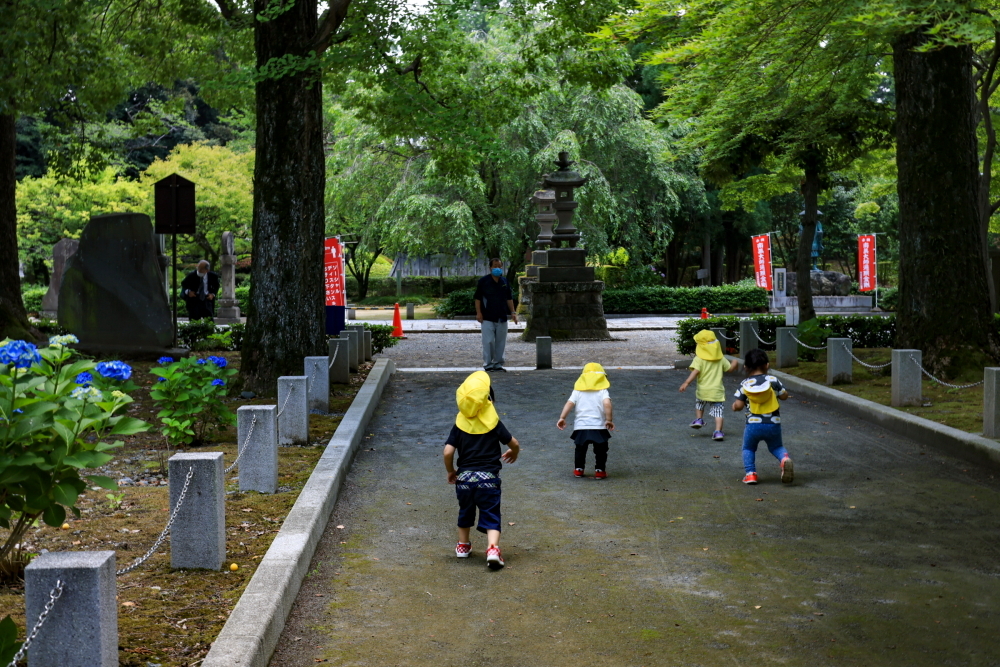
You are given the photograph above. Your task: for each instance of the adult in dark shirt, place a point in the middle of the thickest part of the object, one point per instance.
(198, 290)
(494, 302)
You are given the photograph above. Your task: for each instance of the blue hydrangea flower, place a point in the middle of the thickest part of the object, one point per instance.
(219, 382)
(19, 353)
(163, 361)
(161, 379)
(201, 362)
(116, 370)
(84, 379)
(87, 393)
(68, 339)
(218, 361)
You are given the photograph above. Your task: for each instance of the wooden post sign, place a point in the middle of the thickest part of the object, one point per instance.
(175, 214)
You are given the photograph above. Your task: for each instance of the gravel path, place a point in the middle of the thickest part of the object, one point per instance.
(629, 348)
(881, 553)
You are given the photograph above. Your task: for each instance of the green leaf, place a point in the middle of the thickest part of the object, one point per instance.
(9, 645)
(64, 494)
(103, 482)
(54, 515)
(129, 426)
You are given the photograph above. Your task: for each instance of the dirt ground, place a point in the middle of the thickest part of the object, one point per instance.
(883, 552)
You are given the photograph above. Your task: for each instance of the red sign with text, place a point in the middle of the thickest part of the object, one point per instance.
(762, 260)
(866, 263)
(333, 273)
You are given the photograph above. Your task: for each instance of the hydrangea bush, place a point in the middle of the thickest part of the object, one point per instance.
(56, 411)
(189, 395)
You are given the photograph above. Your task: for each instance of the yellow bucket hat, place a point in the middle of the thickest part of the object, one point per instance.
(476, 413)
(708, 345)
(762, 398)
(593, 378)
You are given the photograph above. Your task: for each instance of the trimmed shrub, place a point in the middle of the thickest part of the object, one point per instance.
(32, 296)
(458, 302)
(381, 336)
(416, 299)
(243, 296)
(429, 286)
(740, 297)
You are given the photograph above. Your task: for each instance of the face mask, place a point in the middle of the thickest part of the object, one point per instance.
(497, 272)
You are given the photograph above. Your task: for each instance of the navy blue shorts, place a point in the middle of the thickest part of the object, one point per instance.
(475, 492)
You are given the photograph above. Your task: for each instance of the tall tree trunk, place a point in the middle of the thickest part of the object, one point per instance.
(286, 320)
(803, 263)
(13, 318)
(944, 303)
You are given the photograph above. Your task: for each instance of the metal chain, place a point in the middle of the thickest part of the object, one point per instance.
(766, 342)
(942, 382)
(239, 452)
(159, 540)
(804, 345)
(291, 388)
(54, 595)
(865, 363)
(725, 337)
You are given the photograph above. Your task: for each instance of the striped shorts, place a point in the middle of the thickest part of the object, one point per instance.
(713, 409)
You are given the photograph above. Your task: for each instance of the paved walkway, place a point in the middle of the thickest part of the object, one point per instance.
(882, 553)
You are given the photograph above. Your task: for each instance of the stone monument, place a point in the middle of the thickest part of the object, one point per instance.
(545, 217)
(228, 308)
(61, 253)
(112, 290)
(565, 301)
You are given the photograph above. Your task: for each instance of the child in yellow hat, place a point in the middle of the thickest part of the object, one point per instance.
(760, 393)
(708, 366)
(476, 437)
(594, 419)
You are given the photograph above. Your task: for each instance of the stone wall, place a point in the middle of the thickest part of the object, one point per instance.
(565, 310)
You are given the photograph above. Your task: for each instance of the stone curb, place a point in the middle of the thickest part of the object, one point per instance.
(954, 441)
(250, 635)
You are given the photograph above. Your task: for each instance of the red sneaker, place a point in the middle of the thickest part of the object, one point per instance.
(787, 470)
(493, 558)
(751, 478)
(578, 472)
(462, 549)
(600, 474)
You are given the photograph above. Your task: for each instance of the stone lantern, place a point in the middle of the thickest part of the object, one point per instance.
(563, 182)
(546, 218)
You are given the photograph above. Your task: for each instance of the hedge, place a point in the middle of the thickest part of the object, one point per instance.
(662, 300)
(429, 286)
(458, 302)
(32, 297)
(867, 331)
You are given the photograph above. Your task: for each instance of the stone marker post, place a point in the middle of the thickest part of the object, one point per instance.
(839, 365)
(991, 402)
(786, 353)
(258, 446)
(354, 353)
(228, 311)
(748, 338)
(82, 628)
(293, 410)
(409, 311)
(543, 352)
(352, 314)
(340, 370)
(365, 336)
(907, 388)
(368, 344)
(791, 316)
(318, 370)
(61, 252)
(720, 335)
(198, 536)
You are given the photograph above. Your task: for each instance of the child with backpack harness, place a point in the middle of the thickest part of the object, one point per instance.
(760, 393)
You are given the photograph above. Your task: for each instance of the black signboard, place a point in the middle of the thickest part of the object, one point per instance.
(174, 197)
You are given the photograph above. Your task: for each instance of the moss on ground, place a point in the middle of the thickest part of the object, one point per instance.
(958, 408)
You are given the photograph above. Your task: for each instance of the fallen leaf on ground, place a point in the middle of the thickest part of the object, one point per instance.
(756, 606)
(340, 527)
(510, 523)
(759, 500)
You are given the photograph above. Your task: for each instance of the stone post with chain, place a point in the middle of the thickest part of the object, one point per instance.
(258, 447)
(198, 534)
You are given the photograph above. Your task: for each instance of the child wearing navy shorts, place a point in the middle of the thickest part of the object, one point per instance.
(476, 438)
(759, 395)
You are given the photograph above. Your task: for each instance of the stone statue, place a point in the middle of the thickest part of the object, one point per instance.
(229, 307)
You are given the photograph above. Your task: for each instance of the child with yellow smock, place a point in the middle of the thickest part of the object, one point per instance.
(594, 419)
(708, 366)
(760, 393)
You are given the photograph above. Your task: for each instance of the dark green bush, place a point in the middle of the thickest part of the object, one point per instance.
(416, 299)
(458, 302)
(32, 296)
(661, 300)
(429, 286)
(190, 334)
(867, 331)
(243, 296)
(381, 336)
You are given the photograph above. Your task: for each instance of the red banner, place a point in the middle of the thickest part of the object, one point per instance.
(866, 263)
(333, 273)
(762, 260)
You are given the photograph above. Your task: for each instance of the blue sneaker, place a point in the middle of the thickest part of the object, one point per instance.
(718, 435)
(697, 423)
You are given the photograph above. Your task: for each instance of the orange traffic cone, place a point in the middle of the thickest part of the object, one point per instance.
(704, 313)
(397, 324)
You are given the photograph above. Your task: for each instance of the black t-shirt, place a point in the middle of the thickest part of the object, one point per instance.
(494, 295)
(479, 451)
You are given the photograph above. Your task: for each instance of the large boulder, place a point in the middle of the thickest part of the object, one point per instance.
(824, 283)
(112, 294)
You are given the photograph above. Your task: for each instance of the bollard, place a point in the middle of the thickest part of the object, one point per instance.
(791, 316)
(748, 340)
(198, 536)
(409, 311)
(340, 370)
(786, 352)
(543, 352)
(293, 411)
(82, 628)
(258, 452)
(352, 314)
(318, 386)
(365, 341)
(720, 335)
(839, 365)
(991, 402)
(368, 344)
(907, 387)
(354, 353)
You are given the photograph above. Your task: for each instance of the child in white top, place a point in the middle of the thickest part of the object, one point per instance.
(594, 419)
